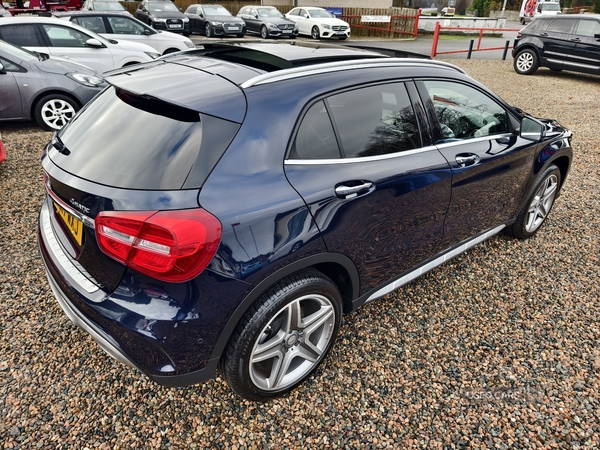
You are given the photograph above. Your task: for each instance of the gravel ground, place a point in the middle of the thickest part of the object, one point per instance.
(498, 348)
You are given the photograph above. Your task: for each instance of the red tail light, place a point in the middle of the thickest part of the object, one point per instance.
(172, 246)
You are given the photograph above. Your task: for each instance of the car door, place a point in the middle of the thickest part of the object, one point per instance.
(27, 35)
(303, 21)
(200, 19)
(10, 94)
(587, 50)
(252, 20)
(376, 193)
(490, 164)
(69, 43)
(559, 43)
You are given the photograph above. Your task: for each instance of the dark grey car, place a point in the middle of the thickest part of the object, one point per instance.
(569, 42)
(214, 20)
(163, 15)
(48, 90)
(267, 21)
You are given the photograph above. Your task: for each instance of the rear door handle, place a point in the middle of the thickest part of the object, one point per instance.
(466, 159)
(351, 189)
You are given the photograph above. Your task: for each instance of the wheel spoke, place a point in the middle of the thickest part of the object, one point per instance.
(280, 370)
(308, 351)
(316, 319)
(269, 349)
(294, 316)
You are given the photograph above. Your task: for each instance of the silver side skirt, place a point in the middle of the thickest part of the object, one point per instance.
(433, 264)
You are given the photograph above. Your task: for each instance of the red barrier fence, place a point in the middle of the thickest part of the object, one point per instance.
(436, 37)
(393, 26)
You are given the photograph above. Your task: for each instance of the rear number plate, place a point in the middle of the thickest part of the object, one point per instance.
(73, 224)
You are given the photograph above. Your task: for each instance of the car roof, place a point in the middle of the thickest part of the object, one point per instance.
(92, 12)
(226, 69)
(569, 16)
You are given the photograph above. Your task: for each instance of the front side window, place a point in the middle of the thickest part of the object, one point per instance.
(65, 36)
(124, 25)
(464, 112)
(588, 28)
(375, 120)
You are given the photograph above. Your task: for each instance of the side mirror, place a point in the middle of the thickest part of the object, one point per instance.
(532, 129)
(94, 43)
(144, 9)
(256, 16)
(306, 16)
(2, 71)
(180, 10)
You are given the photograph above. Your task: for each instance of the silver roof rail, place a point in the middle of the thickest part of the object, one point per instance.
(313, 69)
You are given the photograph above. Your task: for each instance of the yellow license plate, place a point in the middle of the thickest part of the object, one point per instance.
(74, 225)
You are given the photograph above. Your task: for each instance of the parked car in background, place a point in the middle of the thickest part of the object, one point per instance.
(176, 249)
(163, 15)
(267, 21)
(122, 27)
(64, 39)
(4, 12)
(561, 42)
(47, 90)
(214, 20)
(104, 5)
(318, 23)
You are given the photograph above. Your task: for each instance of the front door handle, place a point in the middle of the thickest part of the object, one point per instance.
(351, 189)
(466, 159)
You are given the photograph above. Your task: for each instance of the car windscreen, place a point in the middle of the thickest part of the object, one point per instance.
(216, 11)
(139, 142)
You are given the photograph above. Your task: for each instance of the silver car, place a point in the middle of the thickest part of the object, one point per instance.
(47, 90)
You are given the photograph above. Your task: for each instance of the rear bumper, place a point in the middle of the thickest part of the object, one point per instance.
(115, 330)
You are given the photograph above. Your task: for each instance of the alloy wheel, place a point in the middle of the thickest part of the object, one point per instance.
(541, 204)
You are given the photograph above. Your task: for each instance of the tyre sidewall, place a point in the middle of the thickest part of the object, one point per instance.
(534, 66)
(518, 228)
(236, 366)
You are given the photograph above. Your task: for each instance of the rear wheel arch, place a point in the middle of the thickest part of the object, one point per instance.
(337, 267)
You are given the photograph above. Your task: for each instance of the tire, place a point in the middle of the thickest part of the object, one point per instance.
(53, 111)
(268, 355)
(241, 35)
(526, 62)
(314, 33)
(169, 51)
(208, 30)
(264, 33)
(187, 34)
(538, 205)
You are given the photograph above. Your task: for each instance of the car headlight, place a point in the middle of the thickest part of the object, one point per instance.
(186, 19)
(152, 55)
(272, 25)
(158, 19)
(216, 24)
(327, 27)
(86, 80)
(190, 44)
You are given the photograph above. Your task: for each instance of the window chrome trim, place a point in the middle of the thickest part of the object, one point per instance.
(308, 162)
(369, 63)
(478, 139)
(433, 264)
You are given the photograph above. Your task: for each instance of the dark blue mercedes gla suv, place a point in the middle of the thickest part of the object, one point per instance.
(222, 208)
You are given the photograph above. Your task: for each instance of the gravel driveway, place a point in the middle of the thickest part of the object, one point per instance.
(498, 348)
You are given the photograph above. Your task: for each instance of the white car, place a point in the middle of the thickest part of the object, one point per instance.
(123, 27)
(318, 23)
(63, 39)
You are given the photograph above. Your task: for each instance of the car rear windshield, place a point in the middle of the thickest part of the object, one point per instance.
(138, 142)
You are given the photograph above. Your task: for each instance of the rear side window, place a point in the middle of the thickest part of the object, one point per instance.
(375, 120)
(562, 26)
(95, 24)
(128, 141)
(24, 35)
(370, 121)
